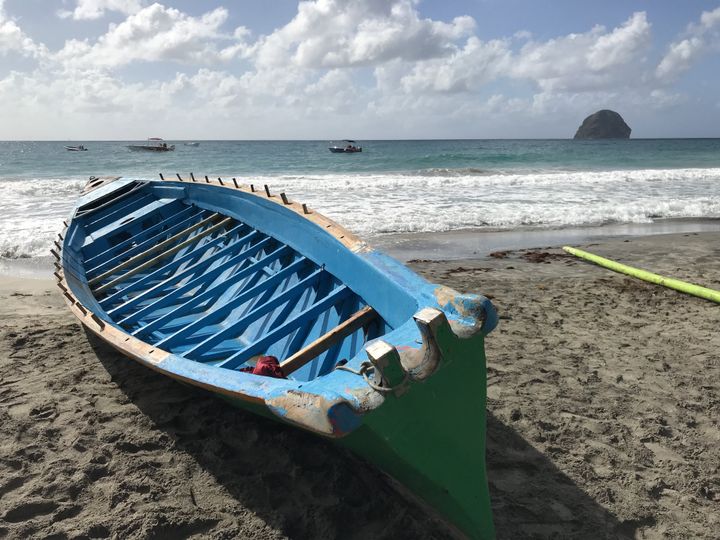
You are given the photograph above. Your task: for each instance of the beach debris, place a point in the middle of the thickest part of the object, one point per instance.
(542, 256)
(500, 254)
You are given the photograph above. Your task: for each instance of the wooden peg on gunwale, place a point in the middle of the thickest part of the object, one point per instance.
(252, 188)
(235, 182)
(284, 198)
(192, 176)
(220, 180)
(55, 254)
(98, 321)
(207, 179)
(161, 176)
(179, 177)
(305, 209)
(267, 190)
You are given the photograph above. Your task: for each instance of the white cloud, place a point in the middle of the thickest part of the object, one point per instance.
(466, 70)
(587, 61)
(337, 33)
(683, 53)
(13, 39)
(377, 63)
(155, 33)
(578, 62)
(94, 9)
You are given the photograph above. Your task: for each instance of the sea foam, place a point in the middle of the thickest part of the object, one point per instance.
(426, 201)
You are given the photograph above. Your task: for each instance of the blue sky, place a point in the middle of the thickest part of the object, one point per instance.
(326, 69)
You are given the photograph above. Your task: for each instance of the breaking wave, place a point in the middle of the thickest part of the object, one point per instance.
(429, 200)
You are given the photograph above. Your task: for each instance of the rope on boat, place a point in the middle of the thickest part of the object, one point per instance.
(367, 367)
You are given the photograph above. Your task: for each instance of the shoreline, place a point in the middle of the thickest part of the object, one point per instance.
(603, 396)
(460, 244)
(480, 243)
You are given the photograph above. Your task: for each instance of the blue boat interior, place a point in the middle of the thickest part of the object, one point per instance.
(168, 265)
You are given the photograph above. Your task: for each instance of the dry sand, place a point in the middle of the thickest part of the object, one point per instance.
(603, 419)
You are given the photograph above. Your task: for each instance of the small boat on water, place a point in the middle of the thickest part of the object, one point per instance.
(154, 144)
(347, 147)
(79, 148)
(283, 312)
(192, 144)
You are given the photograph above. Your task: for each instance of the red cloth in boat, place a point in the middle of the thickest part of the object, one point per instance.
(267, 366)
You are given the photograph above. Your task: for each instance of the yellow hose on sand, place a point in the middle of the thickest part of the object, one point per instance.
(682, 286)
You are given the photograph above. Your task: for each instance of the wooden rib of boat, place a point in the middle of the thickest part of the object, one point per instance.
(198, 279)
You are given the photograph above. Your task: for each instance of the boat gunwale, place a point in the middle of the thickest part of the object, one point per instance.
(349, 239)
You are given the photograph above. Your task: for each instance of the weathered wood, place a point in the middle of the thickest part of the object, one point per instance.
(166, 254)
(97, 320)
(327, 340)
(267, 190)
(284, 198)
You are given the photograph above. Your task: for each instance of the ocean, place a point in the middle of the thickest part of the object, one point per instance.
(426, 186)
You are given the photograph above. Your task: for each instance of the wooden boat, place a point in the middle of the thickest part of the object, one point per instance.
(154, 144)
(200, 279)
(79, 148)
(347, 147)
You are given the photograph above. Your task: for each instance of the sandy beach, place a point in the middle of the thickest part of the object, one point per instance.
(603, 419)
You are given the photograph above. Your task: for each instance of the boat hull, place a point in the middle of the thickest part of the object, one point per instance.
(145, 148)
(405, 391)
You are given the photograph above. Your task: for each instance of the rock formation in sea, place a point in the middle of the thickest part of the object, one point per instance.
(604, 124)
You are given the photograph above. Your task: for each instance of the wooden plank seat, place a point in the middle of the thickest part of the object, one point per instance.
(358, 320)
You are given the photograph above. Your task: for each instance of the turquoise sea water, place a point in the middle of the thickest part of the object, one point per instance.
(392, 186)
(264, 158)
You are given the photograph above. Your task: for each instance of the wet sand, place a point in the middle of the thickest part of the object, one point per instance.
(603, 419)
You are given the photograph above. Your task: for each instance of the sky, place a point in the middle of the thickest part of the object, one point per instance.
(362, 69)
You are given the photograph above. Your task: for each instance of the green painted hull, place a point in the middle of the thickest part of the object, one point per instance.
(432, 438)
